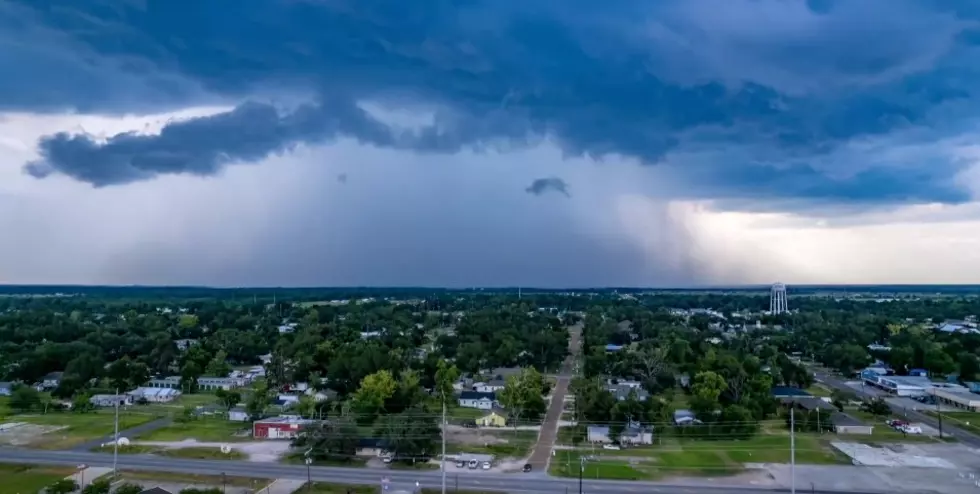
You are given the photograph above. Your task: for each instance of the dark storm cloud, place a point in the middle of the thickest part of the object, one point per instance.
(551, 184)
(629, 77)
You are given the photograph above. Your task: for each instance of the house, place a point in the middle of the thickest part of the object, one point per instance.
(282, 427)
(238, 414)
(287, 328)
(809, 403)
(6, 388)
(633, 434)
(172, 382)
(476, 399)
(155, 490)
(685, 417)
(463, 383)
(184, 344)
(111, 400)
(211, 383)
(52, 380)
(496, 418)
(154, 395)
(491, 386)
(845, 424)
(371, 447)
(622, 391)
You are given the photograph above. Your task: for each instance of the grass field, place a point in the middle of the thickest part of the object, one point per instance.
(882, 432)
(675, 457)
(519, 443)
(28, 479)
(138, 476)
(196, 453)
(964, 420)
(79, 427)
(202, 429)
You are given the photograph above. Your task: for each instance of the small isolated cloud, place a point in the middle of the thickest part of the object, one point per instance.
(342, 178)
(552, 184)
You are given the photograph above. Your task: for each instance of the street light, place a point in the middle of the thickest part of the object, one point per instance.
(308, 461)
(581, 471)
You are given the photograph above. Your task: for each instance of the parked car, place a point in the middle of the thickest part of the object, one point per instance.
(473, 464)
(527, 467)
(486, 465)
(460, 464)
(611, 446)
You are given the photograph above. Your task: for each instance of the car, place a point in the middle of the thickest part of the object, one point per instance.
(611, 446)
(527, 467)
(486, 465)
(460, 464)
(474, 464)
(386, 459)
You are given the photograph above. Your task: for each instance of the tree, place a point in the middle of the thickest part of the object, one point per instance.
(218, 366)
(877, 407)
(374, 391)
(63, 486)
(99, 486)
(446, 376)
(189, 374)
(129, 488)
(522, 395)
(410, 435)
(257, 402)
(25, 399)
(334, 440)
(228, 398)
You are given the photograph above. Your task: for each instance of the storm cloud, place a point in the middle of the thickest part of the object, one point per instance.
(550, 184)
(791, 87)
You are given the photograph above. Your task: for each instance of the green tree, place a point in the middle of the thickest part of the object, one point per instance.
(25, 399)
(99, 486)
(374, 391)
(218, 366)
(129, 488)
(446, 376)
(334, 440)
(877, 407)
(63, 486)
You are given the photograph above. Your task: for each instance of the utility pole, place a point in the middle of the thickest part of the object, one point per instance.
(581, 472)
(792, 449)
(115, 437)
(939, 415)
(442, 463)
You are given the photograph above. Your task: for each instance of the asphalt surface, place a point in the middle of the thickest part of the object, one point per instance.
(516, 483)
(541, 456)
(961, 435)
(128, 433)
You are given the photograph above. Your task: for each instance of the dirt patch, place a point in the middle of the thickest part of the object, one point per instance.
(257, 451)
(474, 437)
(23, 434)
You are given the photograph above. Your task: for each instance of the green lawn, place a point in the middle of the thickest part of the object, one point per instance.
(675, 457)
(964, 420)
(139, 476)
(202, 454)
(79, 427)
(201, 429)
(28, 479)
(819, 390)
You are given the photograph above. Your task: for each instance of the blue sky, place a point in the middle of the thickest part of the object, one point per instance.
(475, 142)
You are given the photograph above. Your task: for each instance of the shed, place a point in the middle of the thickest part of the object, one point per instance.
(496, 418)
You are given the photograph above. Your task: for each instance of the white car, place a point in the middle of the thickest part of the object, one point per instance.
(611, 446)
(486, 465)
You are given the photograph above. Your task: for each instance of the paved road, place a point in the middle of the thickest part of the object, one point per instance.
(961, 435)
(541, 455)
(516, 483)
(128, 433)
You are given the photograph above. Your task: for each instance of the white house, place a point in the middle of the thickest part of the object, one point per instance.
(52, 380)
(111, 400)
(155, 395)
(491, 386)
(6, 388)
(476, 399)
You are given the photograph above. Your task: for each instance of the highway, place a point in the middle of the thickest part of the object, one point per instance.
(517, 483)
(961, 435)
